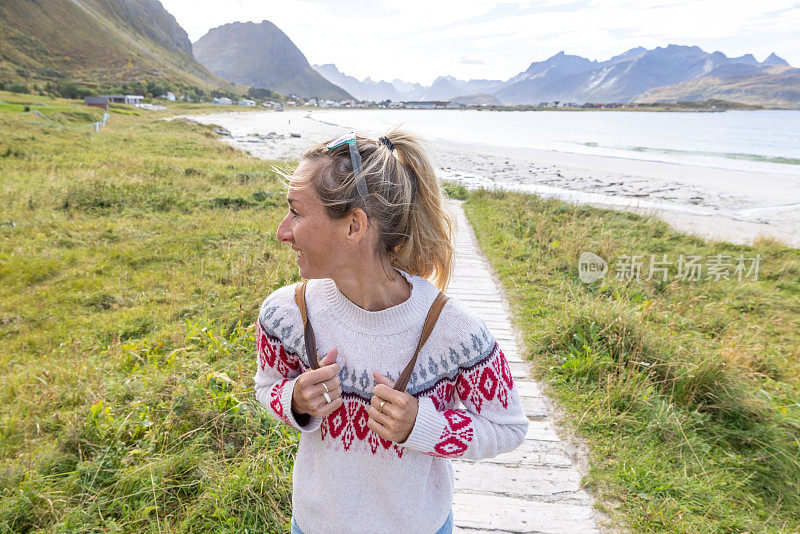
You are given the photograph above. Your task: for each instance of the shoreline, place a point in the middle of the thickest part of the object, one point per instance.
(711, 203)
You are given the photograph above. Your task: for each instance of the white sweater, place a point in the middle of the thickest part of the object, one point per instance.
(346, 478)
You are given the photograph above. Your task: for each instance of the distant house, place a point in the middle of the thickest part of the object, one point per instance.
(128, 100)
(245, 102)
(103, 101)
(223, 101)
(96, 102)
(170, 97)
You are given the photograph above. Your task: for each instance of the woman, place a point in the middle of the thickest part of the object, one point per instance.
(366, 219)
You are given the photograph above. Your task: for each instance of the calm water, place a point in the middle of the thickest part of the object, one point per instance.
(766, 141)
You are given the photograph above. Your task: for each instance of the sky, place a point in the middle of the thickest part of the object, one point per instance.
(418, 40)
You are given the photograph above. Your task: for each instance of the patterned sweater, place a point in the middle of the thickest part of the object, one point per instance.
(348, 479)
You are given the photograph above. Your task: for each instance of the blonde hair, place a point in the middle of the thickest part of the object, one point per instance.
(405, 203)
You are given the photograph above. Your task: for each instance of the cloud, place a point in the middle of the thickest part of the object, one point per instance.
(417, 40)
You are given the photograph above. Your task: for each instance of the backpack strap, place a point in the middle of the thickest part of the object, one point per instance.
(430, 322)
(402, 382)
(311, 343)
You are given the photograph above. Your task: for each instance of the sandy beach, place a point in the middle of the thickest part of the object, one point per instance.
(714, 203)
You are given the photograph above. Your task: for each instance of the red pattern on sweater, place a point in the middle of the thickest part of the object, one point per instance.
(275, 400)
(484, 381)
(271, 353)
(456, 436)
(349, 423)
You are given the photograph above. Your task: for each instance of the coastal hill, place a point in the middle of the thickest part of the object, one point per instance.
(97, 42)
(750, 84)
(627, 77)
(261, 55)
(477, 99)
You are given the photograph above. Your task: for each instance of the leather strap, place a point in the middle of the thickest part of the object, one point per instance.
(430, 322)
(402, 382)
(311, 342)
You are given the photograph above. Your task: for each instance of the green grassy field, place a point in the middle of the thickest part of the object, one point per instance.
(132, 264)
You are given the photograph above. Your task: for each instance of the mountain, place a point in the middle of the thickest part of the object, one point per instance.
(443, 88)
(448, 87)
(619, 79)
(366, 90)
(558, 66)
(545, 80)
(97, 42)
(622, 78)
(775, 61)
(414, 89)
(747, 59)
(261, 55)
(667, 73)
(738, 82)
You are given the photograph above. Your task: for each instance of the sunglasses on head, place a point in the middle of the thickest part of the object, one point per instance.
(350, 139)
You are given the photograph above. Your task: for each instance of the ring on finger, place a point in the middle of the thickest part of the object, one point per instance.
(380, 408)
(326, 387)
(327, 397)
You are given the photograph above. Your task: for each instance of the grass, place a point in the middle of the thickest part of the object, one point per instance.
(132, 264)
(685, 392)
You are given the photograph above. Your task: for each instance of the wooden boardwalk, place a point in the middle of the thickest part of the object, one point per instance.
(535, 488)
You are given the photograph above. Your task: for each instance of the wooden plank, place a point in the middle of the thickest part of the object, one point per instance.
(554, 483)
(488, 512)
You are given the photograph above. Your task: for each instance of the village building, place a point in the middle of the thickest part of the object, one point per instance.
(128, 100)
(103, 101)
(96, 102)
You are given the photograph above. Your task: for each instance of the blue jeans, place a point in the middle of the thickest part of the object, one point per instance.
(447, 528)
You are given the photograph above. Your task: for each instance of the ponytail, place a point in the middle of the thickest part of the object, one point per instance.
(429, 246)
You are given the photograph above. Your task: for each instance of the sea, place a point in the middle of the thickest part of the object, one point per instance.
(747, 140)
(751, 140)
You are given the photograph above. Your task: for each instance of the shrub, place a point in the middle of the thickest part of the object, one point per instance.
(16, 87)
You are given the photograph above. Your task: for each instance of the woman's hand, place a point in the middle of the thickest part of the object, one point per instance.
(399, 413)
(309, 393)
